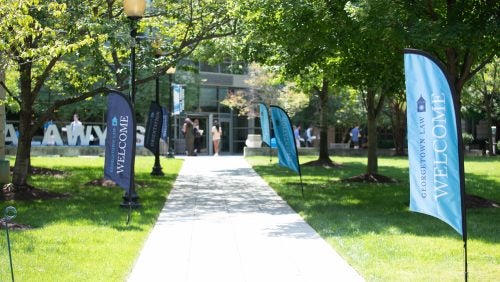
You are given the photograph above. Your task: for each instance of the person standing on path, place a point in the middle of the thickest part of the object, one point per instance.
(188, 130)
(197, 137)
(216, 136)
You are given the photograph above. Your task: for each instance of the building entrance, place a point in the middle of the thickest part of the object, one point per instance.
(226, 144)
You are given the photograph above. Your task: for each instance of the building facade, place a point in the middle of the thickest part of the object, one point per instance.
(203, 95)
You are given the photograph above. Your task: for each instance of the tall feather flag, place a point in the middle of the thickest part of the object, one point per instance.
(120, 146)
(154, 128)
(265, 126)
(434, 143)
(287, 148)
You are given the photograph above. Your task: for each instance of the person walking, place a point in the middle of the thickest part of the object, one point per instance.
(188, 130)
(197, 136)
(355, 137)
(310, 136)
(296, 134)
(216, 136)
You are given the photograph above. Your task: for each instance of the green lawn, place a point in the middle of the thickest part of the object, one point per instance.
(83, 237)
(371, 227)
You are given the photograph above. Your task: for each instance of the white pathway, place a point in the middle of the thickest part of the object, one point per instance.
(223, 223)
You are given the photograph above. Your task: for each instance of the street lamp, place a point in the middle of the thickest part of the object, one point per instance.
(157, 170)
(134, 9)
(170, 154)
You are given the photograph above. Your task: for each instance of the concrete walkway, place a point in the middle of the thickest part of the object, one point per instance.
(223, 223)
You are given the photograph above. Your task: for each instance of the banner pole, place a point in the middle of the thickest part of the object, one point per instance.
(9, 214)
(301, 186)
(465, 260)
(270, 154)
(129, 215)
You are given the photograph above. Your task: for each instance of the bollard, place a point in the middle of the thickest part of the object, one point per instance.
(9, 214)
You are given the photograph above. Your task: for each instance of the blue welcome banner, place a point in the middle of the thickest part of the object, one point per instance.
(120, 141)
(178, 99)
(164, 127)
(264, 124)
(283, 132)
(434, 146)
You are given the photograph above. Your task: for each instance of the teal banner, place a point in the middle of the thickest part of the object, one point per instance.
(264, 124)
(434, 147)
(283, 132)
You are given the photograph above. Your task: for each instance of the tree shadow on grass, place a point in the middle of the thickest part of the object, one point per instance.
(91, 203)
(337, 208)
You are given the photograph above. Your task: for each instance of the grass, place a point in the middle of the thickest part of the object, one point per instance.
(371, 226)
(83, 237)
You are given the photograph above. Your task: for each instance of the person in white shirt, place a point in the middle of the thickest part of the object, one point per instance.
(216, 136)
(76, 125)
(309, 136)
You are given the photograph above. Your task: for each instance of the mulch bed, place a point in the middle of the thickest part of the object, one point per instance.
(33, 170)
(474, 202)
(28, 193)
(46, 171)
(370, 178)
(14, 225)
(101, 182)
(323, 163)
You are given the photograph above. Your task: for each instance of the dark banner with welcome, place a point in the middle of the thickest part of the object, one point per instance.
(264, 124)
(434, 146)
(283, 132)
(153, 128)
(120, 141)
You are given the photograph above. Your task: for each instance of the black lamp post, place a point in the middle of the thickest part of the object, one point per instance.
(134, 9)
(171, 153)
(157, 170)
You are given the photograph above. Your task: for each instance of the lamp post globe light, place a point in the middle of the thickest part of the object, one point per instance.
(170, 153)
(134, 9)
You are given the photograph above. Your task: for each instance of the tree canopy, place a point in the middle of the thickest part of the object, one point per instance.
(74, 50)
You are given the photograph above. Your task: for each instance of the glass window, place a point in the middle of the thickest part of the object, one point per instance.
(209, 68)
(208, 99)
(222, 95)
(231, 67)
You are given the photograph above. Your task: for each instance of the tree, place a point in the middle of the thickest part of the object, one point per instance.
(301, 39)
(482, 96)
(372, 60)
(397, 114)
(462, 34)
(266, 87)
(77, 50)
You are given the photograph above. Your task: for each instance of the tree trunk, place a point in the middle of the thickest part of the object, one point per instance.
(398, 127)
(489, 122)
(372, 166)
(373, 108)
(22, 163)
(324, 155)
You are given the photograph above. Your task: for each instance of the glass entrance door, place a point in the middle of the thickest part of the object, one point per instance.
(225, 142)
